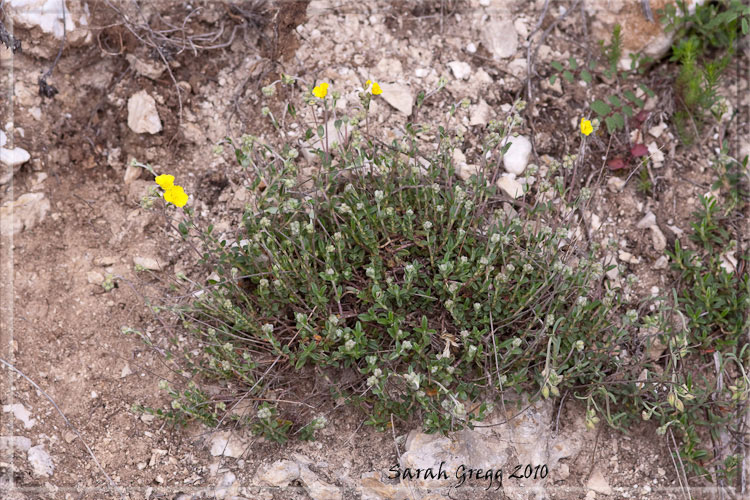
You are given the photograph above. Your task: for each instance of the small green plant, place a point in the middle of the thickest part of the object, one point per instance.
(614, 109)
(714, 300)
(644, 182)
(696, 85)
(270, 426)
(109, 282)
(732, 178)
(708, 229)
(189, 404)
(704, 44)
(716, 24)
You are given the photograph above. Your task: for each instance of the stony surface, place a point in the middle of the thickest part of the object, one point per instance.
(227, 487)
(44, 20)
(20, 443)
(280, 473)
(67, 330)
(639, 34)
(26, 212)
(20, 412)
(598, 483)
(227, 444)
(480, 113)
(11, 161)
(316, 487)
(149, 263)
(149, 69)
(527, 439)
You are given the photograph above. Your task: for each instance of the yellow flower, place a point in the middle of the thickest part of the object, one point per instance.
(586, 127)
(176, 196)
(165, 181)
(376, 90)
(321, 90)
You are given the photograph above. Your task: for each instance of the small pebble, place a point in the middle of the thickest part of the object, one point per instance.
(615, 184)
(661, 263)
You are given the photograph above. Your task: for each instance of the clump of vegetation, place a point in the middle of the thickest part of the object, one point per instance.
(629, 98)
(704, 44)
(411, 283)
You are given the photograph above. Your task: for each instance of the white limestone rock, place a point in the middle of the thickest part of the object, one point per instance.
(143, 117)
(479, 113)
(43, 19)
(227, 444)
(14, 157)
(500, 38)
(26, 212)
(40, 461)
(280, 473)
(517, 156)
(510, 186)
(461, 70)
(399, 96)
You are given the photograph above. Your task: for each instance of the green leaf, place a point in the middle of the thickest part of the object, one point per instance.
(619, 120)
(627, 110)
(744, 26)
(321, 131)
(630, 96)
(552, 79)
(556, 65)
(292, 110)
(611, 127)
(647, 90)
(615, 100)
(573, 63)
(601, 108)
(586, 76)
(568, 76)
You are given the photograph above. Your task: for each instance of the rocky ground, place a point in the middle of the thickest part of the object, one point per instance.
(78, 220)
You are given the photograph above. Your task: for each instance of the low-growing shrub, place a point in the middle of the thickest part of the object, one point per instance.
(412, 284)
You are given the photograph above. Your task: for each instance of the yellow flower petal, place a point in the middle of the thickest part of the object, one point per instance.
(367, 83)
(321, 90)
(376, 90)
(176, 196)
(165, 181)
(586, 127)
